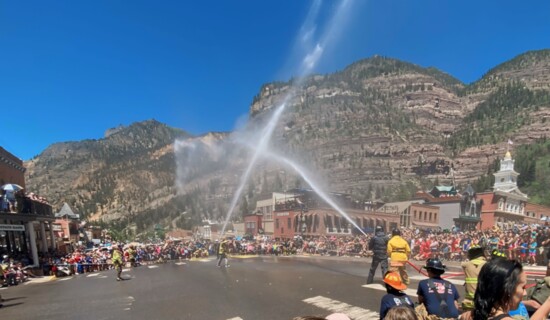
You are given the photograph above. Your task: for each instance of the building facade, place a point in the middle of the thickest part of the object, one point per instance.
(447, 199)
(11, 169)
(470, 210)
(253, 224)
(506, 205)
(26, 225)
(424, 217)
(265, 208)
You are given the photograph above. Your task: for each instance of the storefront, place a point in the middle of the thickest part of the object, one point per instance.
(26, 235)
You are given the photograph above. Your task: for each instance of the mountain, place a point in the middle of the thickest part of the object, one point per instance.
(128, 171)
(379, 128)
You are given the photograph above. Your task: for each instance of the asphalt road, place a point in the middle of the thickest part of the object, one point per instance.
(251, 288)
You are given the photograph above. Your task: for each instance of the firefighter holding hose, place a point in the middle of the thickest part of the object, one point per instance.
(399, 252)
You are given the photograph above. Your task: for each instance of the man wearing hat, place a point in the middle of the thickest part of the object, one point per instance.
(378, 244)
(399, 251)
(395, 296)
(476, 260)
(438, 296)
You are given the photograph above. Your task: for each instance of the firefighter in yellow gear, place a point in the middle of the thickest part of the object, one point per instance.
(116, 259)
(222, 252)
(132, 253)
(472, 267)
(399, 252)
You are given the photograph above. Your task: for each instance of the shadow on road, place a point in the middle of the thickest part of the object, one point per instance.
(11, 299)
(11, 305)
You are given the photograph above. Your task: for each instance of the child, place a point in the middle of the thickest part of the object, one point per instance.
(394, 297)
(523, 251)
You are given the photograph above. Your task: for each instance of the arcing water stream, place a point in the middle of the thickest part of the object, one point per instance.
(261, 148)
(313, 186)
(308, 64)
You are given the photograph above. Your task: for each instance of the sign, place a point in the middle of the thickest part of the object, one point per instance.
(12, 227)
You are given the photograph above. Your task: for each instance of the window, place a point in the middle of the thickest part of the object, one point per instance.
(289, 223)
(268, 214)
(430, 217)
(435, 216)
(415, 214)
(277, 223)
(425, 216)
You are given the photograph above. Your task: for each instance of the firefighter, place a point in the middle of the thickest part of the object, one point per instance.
(399, 252)
(222, 251)
(378, 245)
(471, 269)
(117, 261)
(132, 255)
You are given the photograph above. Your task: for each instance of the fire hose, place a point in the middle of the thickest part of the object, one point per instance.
(424, 273)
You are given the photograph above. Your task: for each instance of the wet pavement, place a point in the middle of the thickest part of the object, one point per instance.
(251, 288)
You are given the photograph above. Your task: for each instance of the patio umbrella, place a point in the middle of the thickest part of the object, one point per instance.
(11, 187)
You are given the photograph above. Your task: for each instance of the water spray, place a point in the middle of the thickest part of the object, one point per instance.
(308, 64)
(262, 145)
(314, 186)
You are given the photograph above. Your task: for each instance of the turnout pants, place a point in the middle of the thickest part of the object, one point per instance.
(375, 262)
(220, 259)
(400, 266)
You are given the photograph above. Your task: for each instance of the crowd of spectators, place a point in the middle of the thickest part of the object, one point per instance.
(526, 243)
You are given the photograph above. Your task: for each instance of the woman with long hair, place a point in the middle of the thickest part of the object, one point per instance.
(500, 288)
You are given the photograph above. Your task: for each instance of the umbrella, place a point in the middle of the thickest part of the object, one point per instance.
(11, 187)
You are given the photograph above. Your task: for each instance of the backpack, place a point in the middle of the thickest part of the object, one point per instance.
(443, 306)
(540, 291)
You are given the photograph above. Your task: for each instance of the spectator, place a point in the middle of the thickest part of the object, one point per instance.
(395, 296)
(500, 289)
(401, 313)
(439, 296)
(471, 271)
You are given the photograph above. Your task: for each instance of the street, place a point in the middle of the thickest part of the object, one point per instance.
(251, 288)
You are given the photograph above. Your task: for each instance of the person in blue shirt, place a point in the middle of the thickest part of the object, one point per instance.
(520, 313)
(523, 251)
(440, 297)
(395, 296)
(533, 252)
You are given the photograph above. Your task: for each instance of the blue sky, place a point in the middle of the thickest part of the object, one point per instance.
(69, 70)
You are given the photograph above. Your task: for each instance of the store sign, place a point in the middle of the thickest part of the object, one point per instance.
(12, 227)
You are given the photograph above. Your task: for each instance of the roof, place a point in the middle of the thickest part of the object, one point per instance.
(66, 211)
(445, 188)
(429, 198)
(397, 207)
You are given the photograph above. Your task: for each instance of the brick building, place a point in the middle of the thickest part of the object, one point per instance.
(11, 169)
(506, 205)
(26, 226)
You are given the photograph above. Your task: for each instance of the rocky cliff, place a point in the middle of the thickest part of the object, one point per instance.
(379, 122)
